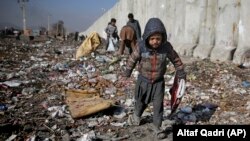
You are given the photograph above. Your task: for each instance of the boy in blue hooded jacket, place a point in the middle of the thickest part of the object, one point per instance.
(151, 54)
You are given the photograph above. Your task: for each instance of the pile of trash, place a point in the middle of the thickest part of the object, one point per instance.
(47, 94)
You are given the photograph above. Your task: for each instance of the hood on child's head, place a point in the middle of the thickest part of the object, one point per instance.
(154, 25)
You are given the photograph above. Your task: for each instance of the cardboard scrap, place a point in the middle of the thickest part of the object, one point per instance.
(77, 93)
(81, 103)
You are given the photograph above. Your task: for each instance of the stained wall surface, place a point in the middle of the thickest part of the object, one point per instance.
(213, 29)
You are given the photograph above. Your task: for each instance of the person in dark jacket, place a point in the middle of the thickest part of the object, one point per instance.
(135, 24)
(111, 31)
(151, 54)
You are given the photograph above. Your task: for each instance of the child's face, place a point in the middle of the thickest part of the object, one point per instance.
(113, 23)
(155, 40)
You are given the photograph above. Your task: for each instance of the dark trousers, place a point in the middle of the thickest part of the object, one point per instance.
(145, 93)
(107, 43)
(128, 45)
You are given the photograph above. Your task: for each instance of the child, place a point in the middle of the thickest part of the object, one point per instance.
(151, 53)
(111, 31)
(135, 24)
(128, 39)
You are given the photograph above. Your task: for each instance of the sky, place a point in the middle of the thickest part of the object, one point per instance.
(77, 15)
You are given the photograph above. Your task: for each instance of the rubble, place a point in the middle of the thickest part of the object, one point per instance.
(46, 94)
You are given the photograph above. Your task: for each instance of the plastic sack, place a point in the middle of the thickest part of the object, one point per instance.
(115, 41)
(85, 102)
(111, 46)
(89, 45)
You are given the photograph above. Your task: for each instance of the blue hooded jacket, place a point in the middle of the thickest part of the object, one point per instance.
(153, 62)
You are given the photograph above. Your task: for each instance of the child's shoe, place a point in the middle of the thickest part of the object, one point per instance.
(160, 134)
(133, 120)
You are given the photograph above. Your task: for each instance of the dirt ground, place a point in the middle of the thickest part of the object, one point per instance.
(34, 76)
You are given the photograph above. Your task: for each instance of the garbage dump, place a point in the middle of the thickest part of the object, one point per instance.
(48, 94)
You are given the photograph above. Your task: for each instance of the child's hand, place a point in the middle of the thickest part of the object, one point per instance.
(181, 74)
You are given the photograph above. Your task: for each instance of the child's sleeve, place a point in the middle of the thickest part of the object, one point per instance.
(133, 59)
(107, 29)
(176, 60)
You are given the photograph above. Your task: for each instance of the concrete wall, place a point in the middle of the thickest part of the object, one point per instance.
(214, 29)
(226, 30)
(244, 31)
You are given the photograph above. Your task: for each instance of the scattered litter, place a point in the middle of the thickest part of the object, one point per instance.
(48, 94)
